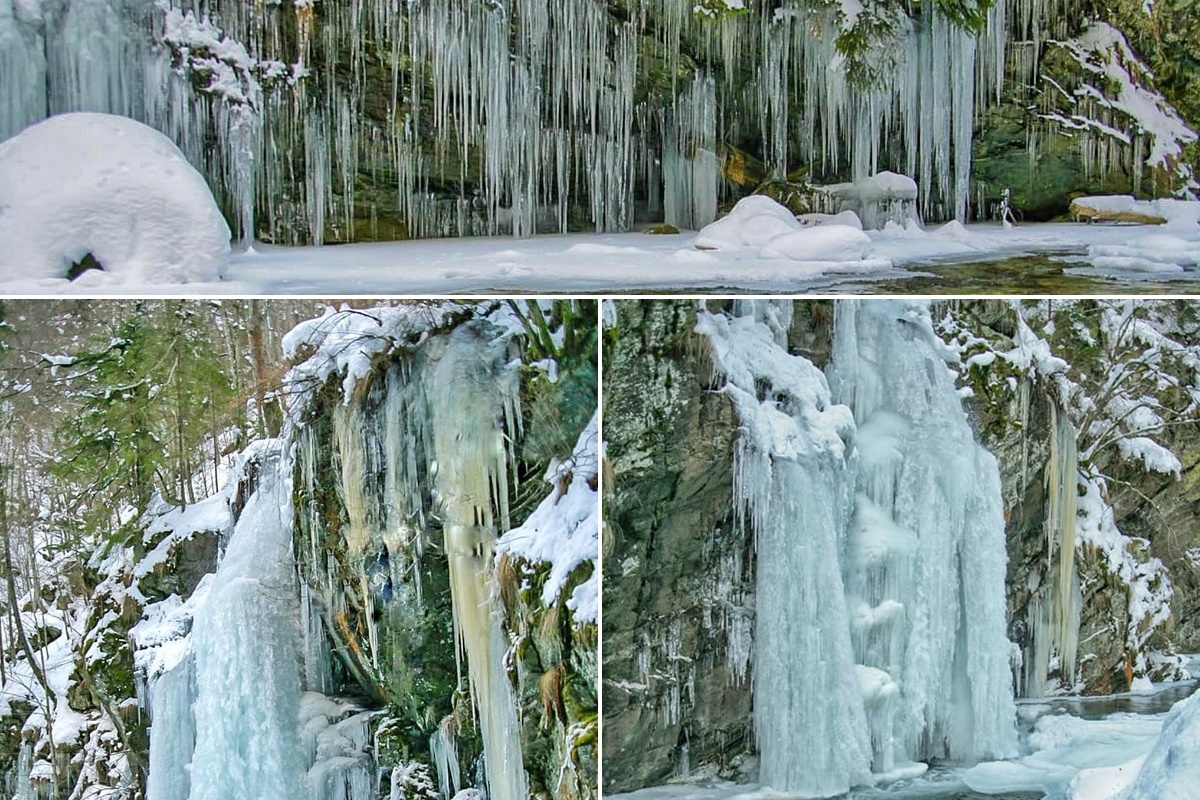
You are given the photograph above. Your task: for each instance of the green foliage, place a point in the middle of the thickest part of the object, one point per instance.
(145, 399)
(717, 9)
(966, 14)
(873, 46)
(556, 411)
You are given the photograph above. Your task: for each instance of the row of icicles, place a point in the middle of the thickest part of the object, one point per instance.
(527, 116)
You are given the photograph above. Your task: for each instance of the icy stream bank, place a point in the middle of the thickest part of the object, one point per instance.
(1085, 754)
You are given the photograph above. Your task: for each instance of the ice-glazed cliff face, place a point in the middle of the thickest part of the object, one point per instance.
(321, 122)
(880, 634)
(237, 676)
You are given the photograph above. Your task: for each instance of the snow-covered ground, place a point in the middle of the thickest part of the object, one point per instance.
(600, 263)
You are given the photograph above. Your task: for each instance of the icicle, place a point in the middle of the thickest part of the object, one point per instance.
(444, 753)
(690, 166)
(518, 117)
(1056, 600)
(471, 479)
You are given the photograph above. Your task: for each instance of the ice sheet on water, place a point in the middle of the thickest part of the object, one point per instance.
(1171, 770)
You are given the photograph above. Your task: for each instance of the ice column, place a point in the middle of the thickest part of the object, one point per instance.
(927, 554)
(794, 479)
(472, 482)
(247, 656)
(690, 169)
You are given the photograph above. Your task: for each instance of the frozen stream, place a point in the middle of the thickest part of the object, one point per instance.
(981, 258)
(1059, 737)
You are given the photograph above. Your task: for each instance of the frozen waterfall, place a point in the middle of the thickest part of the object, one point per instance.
(880, 633)
(472, 474)
(246, 651)
(422, 452)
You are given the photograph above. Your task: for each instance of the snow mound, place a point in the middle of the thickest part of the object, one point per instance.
(98, 184)
(1172, 770)
(954, 230)
(848, 218)
(753, 222)
(1153, 252)
(823, 243)
(760, 223)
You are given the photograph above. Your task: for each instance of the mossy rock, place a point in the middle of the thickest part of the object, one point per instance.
(663, 229)
(11, 725)
(799, 198)
(743, 169)
(188, 561)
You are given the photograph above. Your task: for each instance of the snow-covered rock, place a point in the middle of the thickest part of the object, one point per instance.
(1182, 214)
(564, 530)
(753, 222)
(848, 218)
(878, 199)
(822, 243)
(759, 223)
(104, 185)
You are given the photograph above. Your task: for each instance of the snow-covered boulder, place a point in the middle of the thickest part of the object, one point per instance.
(759, 223)
(106, 186)
(1183, 214)
(878, 199)
(822, 243)
(847, 217)
(753, 222)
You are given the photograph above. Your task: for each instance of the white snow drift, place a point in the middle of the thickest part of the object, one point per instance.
(80, 184)
(760, 223)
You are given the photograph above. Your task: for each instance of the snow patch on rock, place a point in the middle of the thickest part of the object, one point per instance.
(564, 531)
(759, 223)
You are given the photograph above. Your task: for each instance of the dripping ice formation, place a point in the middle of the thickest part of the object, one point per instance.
(1054, 613)
(880, 633)
(532, 110)
(439, 431)
(472, 472)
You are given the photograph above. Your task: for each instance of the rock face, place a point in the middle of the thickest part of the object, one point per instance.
(1015, 421)
(333, 122)
(678, 578)
(378, 569)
